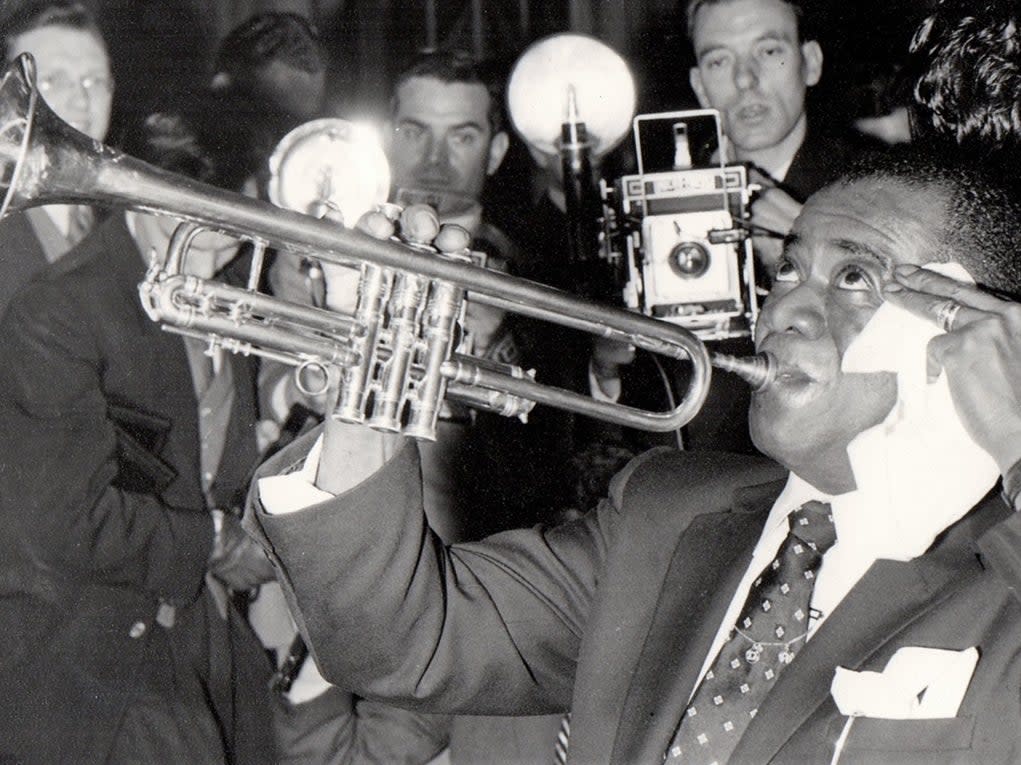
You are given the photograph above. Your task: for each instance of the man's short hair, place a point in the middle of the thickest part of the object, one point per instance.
(36, 14)
(805, 32)
(455, 66)
(982, 216)
(267, 37)
(966, 66)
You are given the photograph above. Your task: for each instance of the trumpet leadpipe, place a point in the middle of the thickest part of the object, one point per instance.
(758, 370)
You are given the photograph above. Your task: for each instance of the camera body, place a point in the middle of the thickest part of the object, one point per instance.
(677, 233)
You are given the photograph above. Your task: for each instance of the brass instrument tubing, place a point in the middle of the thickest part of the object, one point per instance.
(373, 291)
(391, 391)
(441, 319)
(255, 271)
(758, 370)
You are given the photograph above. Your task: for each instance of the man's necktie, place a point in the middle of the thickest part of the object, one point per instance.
(770, 631)
(563, 740)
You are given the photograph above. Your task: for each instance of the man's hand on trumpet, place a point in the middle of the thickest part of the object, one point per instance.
(980, 353)
(351, 453)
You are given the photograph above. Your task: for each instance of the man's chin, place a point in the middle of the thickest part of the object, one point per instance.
(758, 138)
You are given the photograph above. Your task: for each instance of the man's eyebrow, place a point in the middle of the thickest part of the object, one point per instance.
(768, 35)
(468, 124)
(459, 126)
(863, 251)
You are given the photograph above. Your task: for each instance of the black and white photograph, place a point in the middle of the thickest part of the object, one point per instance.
(496, 382)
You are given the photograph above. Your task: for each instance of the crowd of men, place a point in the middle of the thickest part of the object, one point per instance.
(827, 572)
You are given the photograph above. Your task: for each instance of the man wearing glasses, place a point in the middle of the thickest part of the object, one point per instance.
(73, 76)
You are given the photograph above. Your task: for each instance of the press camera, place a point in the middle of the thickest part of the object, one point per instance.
(674, 227)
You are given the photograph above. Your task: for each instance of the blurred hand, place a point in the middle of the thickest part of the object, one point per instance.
(297, 280)
(482, 323)
(237, 560)
(608, 356)
(773, 210)
(351, 453)
(981, 356)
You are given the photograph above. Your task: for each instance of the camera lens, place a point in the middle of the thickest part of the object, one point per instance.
(689, 260)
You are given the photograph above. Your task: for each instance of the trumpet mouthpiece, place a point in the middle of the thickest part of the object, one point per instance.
(758, 370)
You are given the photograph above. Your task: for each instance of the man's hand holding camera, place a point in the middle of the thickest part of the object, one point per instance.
(772, 210)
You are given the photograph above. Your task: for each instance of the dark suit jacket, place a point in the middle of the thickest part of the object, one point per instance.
(101, 508)
(614, 614)
(21, 256)
(821, 159)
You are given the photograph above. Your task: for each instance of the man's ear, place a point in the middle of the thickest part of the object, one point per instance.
(497, 151)
(811, 62)
(695, 77)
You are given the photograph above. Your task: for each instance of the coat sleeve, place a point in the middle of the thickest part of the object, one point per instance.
(337, 728)
(491, 627)
(61, 510)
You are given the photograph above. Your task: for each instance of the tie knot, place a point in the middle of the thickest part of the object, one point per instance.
(812, 523)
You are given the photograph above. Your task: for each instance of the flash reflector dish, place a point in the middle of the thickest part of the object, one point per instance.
(329, 164)
(537, 95)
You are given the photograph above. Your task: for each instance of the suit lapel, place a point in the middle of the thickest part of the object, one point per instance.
(708, 563)
(888, 598)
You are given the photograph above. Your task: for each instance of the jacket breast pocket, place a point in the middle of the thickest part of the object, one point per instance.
(903, 741)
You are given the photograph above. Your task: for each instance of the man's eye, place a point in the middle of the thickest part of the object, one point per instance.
(466, 138)
(715, 62)
(785, 271)
(410, 132)
(853, 278)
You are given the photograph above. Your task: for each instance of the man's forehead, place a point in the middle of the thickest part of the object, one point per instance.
(715, 23)
(63, 46)
(886, 216)
(431, 98)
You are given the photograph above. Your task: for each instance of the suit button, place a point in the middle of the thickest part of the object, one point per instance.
(137, 630)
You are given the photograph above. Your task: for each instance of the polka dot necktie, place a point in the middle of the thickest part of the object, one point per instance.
(770, 631)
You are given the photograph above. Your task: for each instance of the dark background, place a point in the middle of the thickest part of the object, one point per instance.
(163, 47)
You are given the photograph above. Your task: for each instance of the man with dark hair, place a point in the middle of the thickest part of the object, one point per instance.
(717, 608)
(125, 451)
(278, 61)
(445, 137)
(965, 65)
(73, 76)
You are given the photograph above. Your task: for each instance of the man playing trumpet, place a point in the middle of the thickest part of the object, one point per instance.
(722, 608)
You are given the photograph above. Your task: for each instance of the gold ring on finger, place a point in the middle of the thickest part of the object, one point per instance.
(946, 314)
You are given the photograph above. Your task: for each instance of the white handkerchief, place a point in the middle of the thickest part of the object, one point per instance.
(917, 684)
(918, 471)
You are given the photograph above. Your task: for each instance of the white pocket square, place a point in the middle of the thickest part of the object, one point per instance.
(917, 684)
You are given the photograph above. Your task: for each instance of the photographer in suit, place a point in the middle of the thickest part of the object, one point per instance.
(125, 449)
(755, 61)
(718, 608)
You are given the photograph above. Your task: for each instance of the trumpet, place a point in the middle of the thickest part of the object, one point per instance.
(396, 353)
